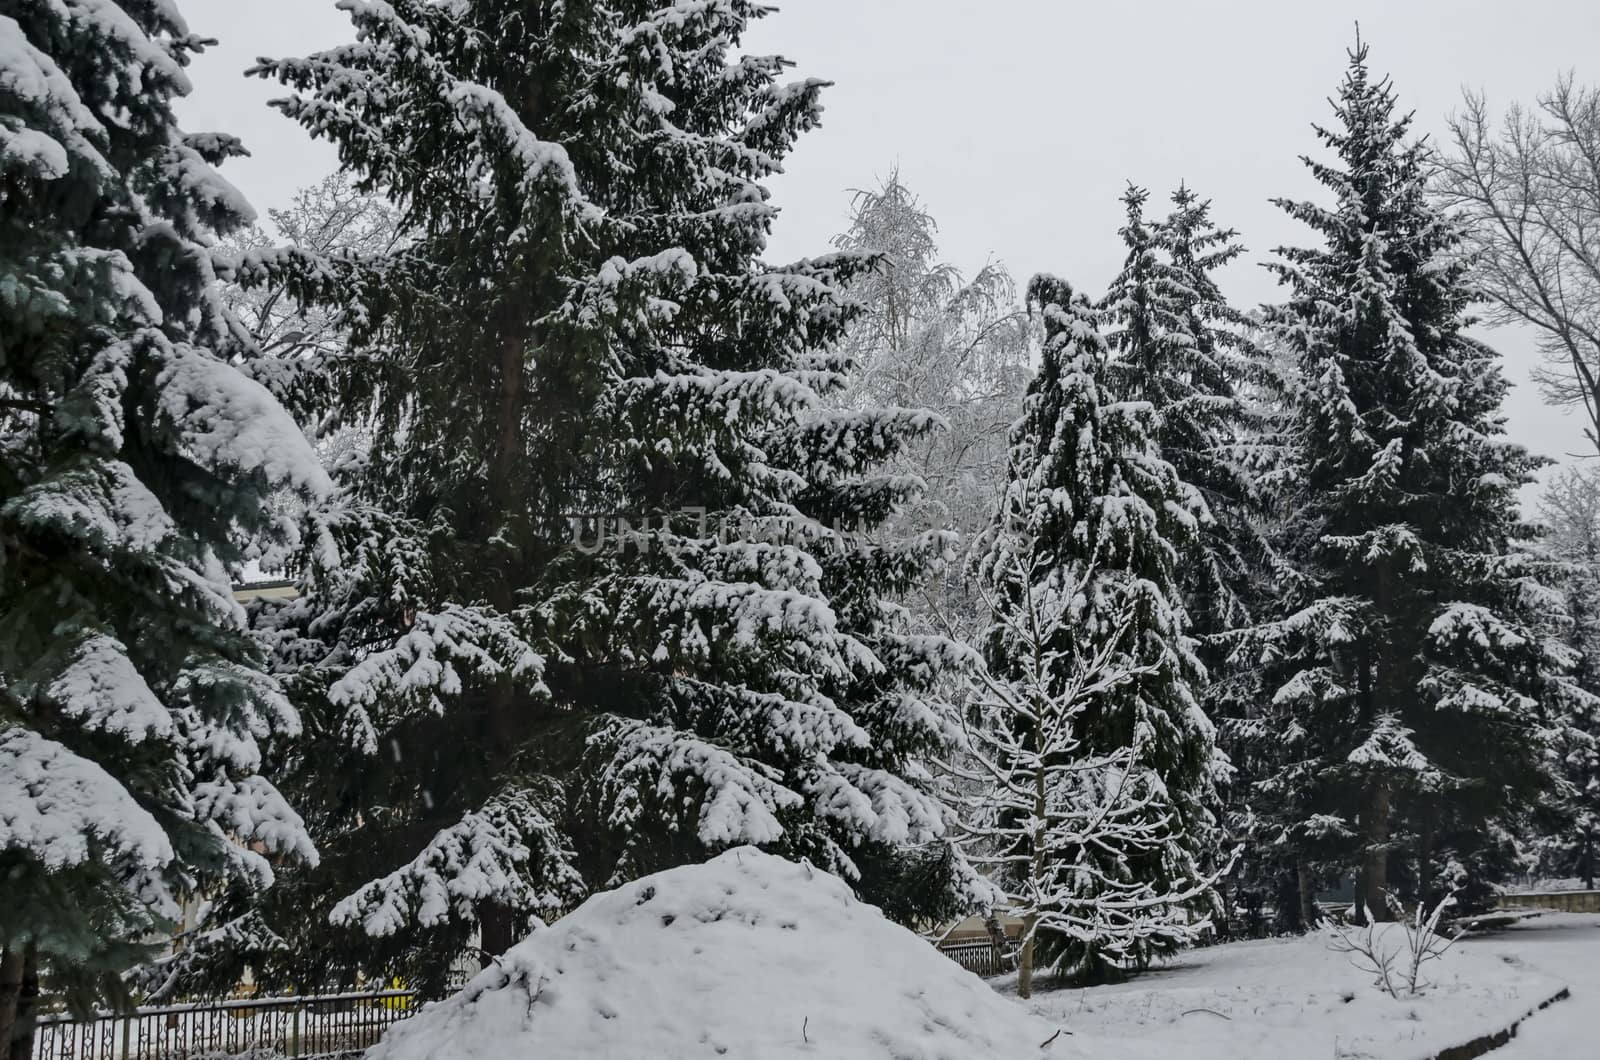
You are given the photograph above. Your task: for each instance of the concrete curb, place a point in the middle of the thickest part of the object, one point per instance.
(1489, 1042)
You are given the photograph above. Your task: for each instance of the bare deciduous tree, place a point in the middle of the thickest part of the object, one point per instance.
(295, 342)
(1529, 186)
(1044, 798)
(1067, 824)
(930, 337)
(329, 218)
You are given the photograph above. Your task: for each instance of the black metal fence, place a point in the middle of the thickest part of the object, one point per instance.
(304, 1025)
(981, 957)
(301, 1026)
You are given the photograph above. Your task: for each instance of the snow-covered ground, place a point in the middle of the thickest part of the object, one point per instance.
(1566, 945)
(1297, 999)
(753, 956)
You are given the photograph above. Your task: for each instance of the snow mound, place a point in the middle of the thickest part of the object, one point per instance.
(748, 956)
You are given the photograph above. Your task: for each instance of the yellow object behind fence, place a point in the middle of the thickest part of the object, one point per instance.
(397, 1004)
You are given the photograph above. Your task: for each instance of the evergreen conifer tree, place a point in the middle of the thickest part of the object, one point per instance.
(1177, 344)
(1406, 678)
(593, 605)
(1103, 759)
(136, 465)
(1569, 843)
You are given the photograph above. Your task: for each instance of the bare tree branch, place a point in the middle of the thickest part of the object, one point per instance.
(1528, 188)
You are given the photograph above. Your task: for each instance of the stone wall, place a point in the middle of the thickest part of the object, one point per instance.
(1565, 901)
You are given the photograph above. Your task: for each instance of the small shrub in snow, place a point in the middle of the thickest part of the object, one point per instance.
(1398, 968)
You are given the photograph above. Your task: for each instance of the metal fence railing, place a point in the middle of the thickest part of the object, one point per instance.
(981, 957)
(298, 1026)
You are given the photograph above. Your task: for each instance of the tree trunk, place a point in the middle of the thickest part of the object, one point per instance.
(494, 920)
(1035, 864)
(508, 422)
(494, 932)
(11, 964)
(1306, 886)
(1375, 869)
(1225, 929)
(1025, 961)
(997, 940)
(1425, 874)
(27, 1015)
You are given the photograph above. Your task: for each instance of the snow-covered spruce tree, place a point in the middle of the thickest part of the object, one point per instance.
(1177, 344)
(511, 696)
(1569, 842)
(929, 337)
(1406, 677)
(1102, 759)
(135, 465)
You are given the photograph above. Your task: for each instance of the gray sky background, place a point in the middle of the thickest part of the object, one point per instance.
(1018, 122)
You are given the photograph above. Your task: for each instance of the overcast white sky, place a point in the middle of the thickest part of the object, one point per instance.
(1019, 121)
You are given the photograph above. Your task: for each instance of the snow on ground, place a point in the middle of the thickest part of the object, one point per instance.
(748, 956)
(1566, 945)
(1282, 999)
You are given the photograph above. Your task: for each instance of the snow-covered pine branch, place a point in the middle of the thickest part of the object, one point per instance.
(137, 467)
(482, 859)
